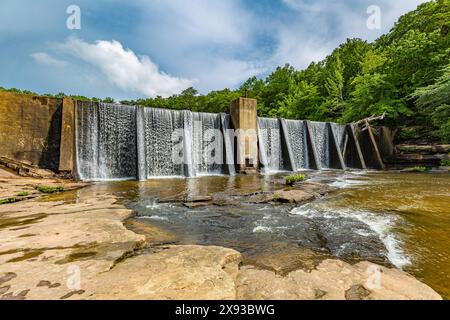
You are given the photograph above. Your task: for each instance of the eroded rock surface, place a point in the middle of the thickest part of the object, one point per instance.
(82, 250)
(332, 280)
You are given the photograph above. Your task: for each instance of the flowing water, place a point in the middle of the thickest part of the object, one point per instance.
(297, 139)
(395, 219)
(270, 145)
(118, 142)
(321, 139)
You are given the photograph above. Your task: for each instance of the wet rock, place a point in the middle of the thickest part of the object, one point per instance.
(292, 196)
(196, 205)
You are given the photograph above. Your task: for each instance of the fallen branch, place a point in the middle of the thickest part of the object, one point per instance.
(368, 120)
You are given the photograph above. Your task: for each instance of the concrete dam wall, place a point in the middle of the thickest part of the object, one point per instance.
(97, 141)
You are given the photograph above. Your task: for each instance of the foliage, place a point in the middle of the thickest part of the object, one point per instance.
(445, 163)
(49, 189)
(7, 201)
(295, 178)
(23, 194)
(419, 169)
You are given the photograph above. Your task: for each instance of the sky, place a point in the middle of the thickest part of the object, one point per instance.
(128, 49)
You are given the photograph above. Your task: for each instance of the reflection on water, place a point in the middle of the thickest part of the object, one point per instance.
(400, 219)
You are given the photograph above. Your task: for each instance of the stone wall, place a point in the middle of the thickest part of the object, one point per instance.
(30, 129)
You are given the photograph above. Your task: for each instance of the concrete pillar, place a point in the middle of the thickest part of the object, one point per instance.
(352, 151)
(244, 116)
(314, 161)
(336, 157)
(67, 155)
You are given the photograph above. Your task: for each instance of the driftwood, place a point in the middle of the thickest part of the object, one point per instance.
(366, 122)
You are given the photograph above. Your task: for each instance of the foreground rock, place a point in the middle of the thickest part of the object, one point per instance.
(333, 280)
(173, 273)
(82, 250)
(301, 193)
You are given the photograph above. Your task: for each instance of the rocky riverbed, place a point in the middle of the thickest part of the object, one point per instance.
(80, 248)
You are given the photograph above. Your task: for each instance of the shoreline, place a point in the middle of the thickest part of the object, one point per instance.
(84, 250)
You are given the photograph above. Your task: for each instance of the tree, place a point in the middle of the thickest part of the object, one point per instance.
(435, 101)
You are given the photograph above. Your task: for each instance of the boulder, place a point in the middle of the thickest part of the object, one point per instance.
(292, 196)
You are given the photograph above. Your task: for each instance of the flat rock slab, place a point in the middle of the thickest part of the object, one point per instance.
(174, 273)
(333, 280)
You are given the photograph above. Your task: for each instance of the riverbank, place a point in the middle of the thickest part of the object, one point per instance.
(79, 248)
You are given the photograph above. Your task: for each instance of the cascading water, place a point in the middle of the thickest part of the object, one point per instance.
(106, 142)
(298, 142)
(321, 139)
(126, 142)
(166, 143)
(271, 144)
(208, 143)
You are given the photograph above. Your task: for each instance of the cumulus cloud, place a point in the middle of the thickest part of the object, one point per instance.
(322, 25)
(46, 59)
(125, 69)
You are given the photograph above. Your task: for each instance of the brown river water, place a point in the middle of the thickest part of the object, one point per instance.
(395, 219)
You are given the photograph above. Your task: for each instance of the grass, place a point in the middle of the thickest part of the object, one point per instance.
(295, 178)
(49, 190)
(419, 169)
(9, 200)
(23, 194)
(445, 163)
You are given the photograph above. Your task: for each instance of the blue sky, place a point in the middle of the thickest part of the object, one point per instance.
(142, 48)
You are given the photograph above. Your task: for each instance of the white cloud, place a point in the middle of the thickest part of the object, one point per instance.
(125, 69)
(44, 58)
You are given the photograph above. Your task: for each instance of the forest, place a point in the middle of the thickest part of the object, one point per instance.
(404, 74)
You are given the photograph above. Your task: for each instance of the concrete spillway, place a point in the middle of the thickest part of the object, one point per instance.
(129, 142)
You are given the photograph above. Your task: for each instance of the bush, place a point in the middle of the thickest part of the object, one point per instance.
(445, 163)
(23, 194)
(294, 178)
(9, 200)
(49, 190)
(419, 169)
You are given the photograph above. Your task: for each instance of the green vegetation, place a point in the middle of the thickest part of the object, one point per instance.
(49, 190)
(9, 200)
(23, 194)
(419, 169)
(295, 178)
(405, 74)
(445, 163)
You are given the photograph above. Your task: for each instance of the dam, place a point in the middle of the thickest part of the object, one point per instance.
(94, 141)
(116, 142)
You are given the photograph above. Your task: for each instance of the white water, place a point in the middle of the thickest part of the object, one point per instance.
(380, 224)
(118, 142)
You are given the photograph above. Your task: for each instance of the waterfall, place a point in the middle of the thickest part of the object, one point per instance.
(126, 142)
(115, 142)
(298, 142)
(321, 139)
(271, 144)
(208, 144)
(106, 141)
(165, 142)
